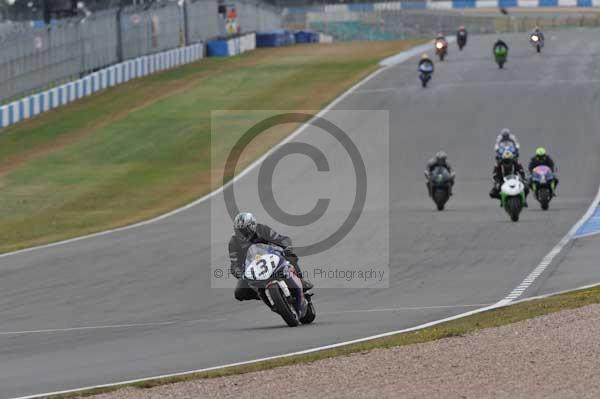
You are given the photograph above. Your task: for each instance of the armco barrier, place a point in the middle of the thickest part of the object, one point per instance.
(231, 47)
(102, 79)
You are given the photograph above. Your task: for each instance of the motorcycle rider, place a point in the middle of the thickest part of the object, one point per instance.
(425, 64)
(439, 160)
(441, 38)
(246, 233)
(506, 136)
(542, 158)
(500, 43)
(461, 36)
(538, 32)
(508, 165)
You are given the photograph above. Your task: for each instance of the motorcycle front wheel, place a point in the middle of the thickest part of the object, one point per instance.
(513, 207)
(440, 197)
(282, 306)
(544, 198)
(310, 315)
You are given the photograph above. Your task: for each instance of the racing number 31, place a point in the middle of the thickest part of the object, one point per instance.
(264, 268)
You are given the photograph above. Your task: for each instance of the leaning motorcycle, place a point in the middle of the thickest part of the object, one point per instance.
(274, 279)
(441, 49)
(500, 54)
(536, 41)
(440, 183)
(512, 196)
(543, 184)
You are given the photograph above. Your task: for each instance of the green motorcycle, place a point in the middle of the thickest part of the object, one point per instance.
(500, 54)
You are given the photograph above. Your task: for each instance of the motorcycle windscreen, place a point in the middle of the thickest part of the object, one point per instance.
(440, 174)
(262, 260)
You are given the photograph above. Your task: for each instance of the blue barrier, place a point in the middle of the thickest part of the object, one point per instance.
(276, 38)
(270, 39)
(361, 7)
(463, 3)
(217, 48)
(306, 37)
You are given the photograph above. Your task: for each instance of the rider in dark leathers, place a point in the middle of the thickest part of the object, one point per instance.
(461, 36)
(440, 159)
(246, 233)
(500, 43)
(425, 64)
(537, 31)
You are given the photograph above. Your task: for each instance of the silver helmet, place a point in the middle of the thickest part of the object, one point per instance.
(244, 225)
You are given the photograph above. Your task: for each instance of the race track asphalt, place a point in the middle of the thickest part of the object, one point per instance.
(145, 293)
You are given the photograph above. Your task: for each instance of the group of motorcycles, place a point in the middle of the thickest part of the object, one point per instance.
(542, 183)
(536, 39)
(269, 273)
(500, 50)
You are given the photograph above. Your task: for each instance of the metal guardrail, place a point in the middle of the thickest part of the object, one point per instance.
(33, 59)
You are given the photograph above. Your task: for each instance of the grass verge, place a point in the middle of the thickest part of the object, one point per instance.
(493, 318)
(141, 149)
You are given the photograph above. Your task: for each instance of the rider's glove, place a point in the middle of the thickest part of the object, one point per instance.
(289, 251)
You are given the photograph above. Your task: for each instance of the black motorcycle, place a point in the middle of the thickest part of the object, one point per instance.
(461, 38)
(425, 78)
(440, 184)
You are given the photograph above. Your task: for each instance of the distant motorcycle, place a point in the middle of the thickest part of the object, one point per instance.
(536, 41)
(440, 182)
(512, 196)
(425, 77)
(500, 55)
(273, 278)
(543, 184)
(461, 38)
(441, 48)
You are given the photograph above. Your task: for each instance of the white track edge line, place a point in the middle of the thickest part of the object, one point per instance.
(307, 351)
(554, 252)
(249, 168)
(302, 352)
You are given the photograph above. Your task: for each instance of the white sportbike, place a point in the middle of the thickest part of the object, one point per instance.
(512, 196)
